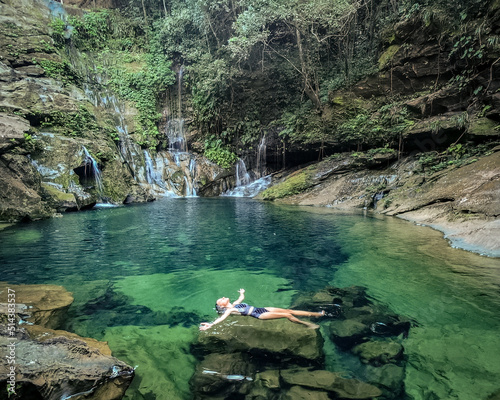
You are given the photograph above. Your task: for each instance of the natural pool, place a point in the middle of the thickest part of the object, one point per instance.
(144, 276)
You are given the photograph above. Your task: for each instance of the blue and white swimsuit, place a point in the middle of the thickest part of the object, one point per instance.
(244, 309)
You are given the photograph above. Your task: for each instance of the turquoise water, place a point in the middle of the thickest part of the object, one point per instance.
(144, 276)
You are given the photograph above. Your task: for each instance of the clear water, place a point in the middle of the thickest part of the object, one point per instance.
(144, 276)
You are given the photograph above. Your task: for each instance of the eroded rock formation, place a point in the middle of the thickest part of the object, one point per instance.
(53, 364)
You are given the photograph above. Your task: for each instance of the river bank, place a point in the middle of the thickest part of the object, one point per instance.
(462, 202)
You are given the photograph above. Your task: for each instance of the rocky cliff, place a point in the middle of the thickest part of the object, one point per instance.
(67, 142)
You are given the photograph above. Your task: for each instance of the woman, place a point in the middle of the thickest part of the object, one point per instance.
(239, 308)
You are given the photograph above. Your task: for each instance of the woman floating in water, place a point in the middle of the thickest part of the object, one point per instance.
(239, 308)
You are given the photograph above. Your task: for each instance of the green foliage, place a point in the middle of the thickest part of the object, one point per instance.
(72, 124)
(60, 70)
(58, 30)
(93, 31)
(136, 68)
(382, 127)
(143, 88)
(457, 155)
(302, 124)
(220, 154)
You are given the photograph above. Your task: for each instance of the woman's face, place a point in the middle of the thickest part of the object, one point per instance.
(223, 302)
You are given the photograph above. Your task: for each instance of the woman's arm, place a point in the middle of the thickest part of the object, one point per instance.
(241, 298)
(207, 325)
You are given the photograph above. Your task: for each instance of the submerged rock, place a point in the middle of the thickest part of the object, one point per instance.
(379, 352)
(389, 378)
(301, 393)
(281, 338)
(354, 317)
(223, 375)
(331, 382)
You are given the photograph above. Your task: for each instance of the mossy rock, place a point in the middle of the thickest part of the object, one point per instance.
(387, 56)
(484, 127)
(378, 352)
(331, 382)
(281, 338)
(295, 183)
(62, 200)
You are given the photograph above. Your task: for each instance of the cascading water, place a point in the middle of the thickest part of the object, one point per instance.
(177, 145)
(242, 176)
(153, 176)
(261, 157)
(174, 127)
(92, 171)
(245, 185)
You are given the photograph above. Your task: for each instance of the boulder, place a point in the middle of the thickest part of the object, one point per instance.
(44, 305)
(60, 366)
(12, 131)
(51, 364)
(347, 333)
(378, 352)
(282, 338)
(388, 377)
(355, 317)
(331, 382)
(301, 393)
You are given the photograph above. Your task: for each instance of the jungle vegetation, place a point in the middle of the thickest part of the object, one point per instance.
(252, 67)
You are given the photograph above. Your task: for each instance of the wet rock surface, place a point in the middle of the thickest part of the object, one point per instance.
(43, 305)
(54, 364)
(275, 359)
(279, 338)
(461, 202)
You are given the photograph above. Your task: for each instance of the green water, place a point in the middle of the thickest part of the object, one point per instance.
(143, 277)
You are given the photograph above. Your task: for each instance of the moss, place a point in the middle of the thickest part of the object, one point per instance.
(296, 183)
(483, 127)
(58, 195)
(387, 56)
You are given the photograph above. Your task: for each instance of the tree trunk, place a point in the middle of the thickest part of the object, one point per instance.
(310, 91)
(145, 15)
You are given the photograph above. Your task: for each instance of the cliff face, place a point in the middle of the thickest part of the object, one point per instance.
(68, 144)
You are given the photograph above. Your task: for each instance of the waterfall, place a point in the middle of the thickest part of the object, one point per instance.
(174, 127)
(261, 157)
(192, 174)
(179, 91)
(92, 171)
(242, 176)
(245, 185)
(153, 176)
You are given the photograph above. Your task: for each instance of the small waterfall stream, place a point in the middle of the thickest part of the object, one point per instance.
(250, 183)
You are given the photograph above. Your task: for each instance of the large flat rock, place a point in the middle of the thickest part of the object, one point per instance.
(279, 337)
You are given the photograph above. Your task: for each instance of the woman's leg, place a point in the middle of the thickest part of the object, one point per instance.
(277, 315)
(296, 312)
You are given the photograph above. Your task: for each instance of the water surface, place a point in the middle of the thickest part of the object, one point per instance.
(144, 276)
